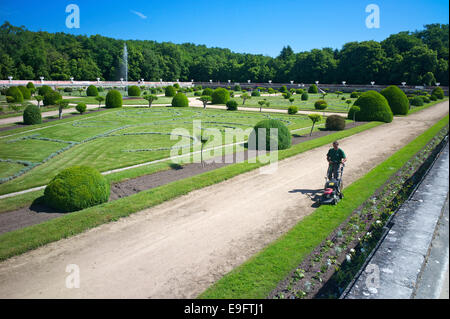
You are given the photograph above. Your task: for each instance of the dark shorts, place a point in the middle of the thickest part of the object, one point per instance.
(333, 171)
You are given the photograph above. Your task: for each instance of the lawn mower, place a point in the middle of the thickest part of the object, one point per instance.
(332, 193)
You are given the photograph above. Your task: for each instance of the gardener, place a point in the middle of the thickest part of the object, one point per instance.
(335, 158)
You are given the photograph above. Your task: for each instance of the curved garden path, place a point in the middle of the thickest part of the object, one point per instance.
(179, 248)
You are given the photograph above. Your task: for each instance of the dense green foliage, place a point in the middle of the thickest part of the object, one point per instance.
(113, 99)
(30, 85)
(42, 90)
(25, 92)
(405, 56)
(335, 123)
(77, 188)
(91, 90)
(81, 107)
(256, 93)
(416, 101)
(232, 105)
(313, 89)
(305, 96)
(284, 136)
(397, 99)
(170, 91)
(373, 107)
(207, 91)
(220, 96)
(15, 93)
(51, 98)
(32, 115)
(292, 109)
(180, 100)
(134, 90)
(353, 111)
(320, 105)
(438, 92)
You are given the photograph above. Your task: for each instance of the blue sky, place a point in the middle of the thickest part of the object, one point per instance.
(251, 26)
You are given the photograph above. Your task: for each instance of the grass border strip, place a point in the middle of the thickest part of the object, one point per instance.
(258, 276)
(28, 238)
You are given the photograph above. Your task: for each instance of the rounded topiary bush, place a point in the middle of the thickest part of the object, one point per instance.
(91, 90)
(299, 91)
(256, 93)
(68, 90)
(232, 105)
(426, 99)
(134, 90)
(305, 96)
(438, 92)
(220, 96)
(30, 85)
(208, 92)
(77, 188)
(170, 91)
(417, 101)
(32, 115)
(113, 99)
(237, 87)
(313, 89)
(354, 95)
(180, 100)
(81, 107)
(284, 136)
(320, 105)
(44, 90)
(283, 89)
(26, 93)
(433, 97)
(352, 112)
(335, 123)
(15, 93)
(397, 99)
(292, 109)
(373, 107)
(51, 98)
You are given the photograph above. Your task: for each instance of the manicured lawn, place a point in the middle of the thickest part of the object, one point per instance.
(118, 138)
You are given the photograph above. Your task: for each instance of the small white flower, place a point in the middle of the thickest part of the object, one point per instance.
(348, 257)
(352, 251)
(378, 222)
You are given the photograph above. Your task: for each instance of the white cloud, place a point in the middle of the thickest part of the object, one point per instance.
(139, 14)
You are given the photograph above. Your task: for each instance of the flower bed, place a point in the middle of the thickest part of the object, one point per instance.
(329, 269)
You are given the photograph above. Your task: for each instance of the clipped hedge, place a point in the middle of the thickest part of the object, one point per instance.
(134, 90)
(373, 107)
(30, 85)
(113, 99)
(352, 112)
(232, 105)
(81, 107)
(208, 92)
(313, 89)
(15, 93)
(292, 109)
(32, 115)
(438, 92)
(284, 136)
(256, 93)
(416, 101)
(180, 100)
(397, 99)
(170, 91)
(26, 93)
(42, 90)
(76, 188)
(335, 123)
(51, 98)
(91, 90)
(305, 96)
(320, 105)
(220, 96)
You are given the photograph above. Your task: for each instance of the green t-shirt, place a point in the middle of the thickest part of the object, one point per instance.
(336, 156)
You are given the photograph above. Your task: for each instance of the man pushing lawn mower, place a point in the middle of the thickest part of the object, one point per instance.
(333, 185)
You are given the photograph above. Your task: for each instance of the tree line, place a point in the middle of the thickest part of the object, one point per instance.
(419, 57)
